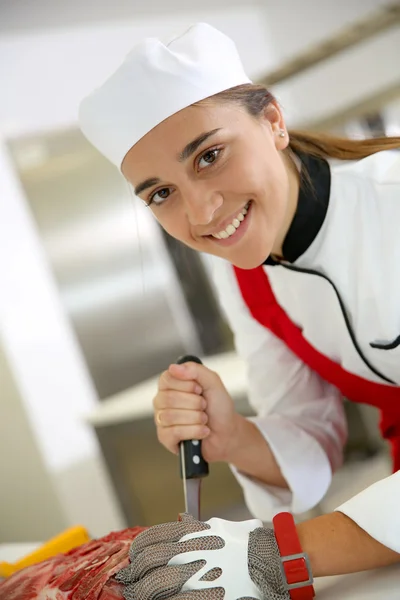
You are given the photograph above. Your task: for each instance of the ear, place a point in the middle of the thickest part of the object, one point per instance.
(273, 117)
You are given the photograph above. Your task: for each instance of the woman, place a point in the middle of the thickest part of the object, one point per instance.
(307, 270)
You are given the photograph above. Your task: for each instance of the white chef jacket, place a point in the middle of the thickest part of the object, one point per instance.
(355, 244)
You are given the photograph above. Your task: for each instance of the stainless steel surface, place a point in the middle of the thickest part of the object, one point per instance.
(116, 278)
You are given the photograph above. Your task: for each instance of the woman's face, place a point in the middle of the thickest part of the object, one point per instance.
(215, 179)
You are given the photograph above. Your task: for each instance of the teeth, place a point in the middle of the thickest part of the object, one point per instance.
(230, 229)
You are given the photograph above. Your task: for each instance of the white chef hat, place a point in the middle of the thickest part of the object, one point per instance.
(154, 82)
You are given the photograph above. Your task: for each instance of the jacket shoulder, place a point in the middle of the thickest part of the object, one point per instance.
(382, 167)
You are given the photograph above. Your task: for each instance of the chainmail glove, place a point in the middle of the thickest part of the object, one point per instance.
(216, 560)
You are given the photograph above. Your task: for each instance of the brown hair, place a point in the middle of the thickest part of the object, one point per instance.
(255, 98)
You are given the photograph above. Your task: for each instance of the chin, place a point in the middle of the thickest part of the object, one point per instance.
(247, 264)
(252, 258)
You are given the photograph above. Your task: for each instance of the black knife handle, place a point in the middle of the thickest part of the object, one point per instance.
(195, 465)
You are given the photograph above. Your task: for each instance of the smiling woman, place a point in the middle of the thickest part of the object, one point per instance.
(309, 281)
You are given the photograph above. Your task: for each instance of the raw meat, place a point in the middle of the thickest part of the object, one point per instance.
(85, 573)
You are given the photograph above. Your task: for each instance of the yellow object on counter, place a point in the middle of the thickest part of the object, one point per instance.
(64, 542)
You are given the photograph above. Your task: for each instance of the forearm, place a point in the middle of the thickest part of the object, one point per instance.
(251, 454)
(337, 545)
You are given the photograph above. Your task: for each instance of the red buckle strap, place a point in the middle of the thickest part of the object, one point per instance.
(295, 565)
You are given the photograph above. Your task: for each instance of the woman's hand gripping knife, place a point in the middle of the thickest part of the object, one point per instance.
(215, 560)
(192, 403)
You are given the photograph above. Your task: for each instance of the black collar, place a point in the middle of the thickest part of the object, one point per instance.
(311, 209)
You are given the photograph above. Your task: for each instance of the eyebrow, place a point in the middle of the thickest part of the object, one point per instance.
(146, 184)
(194, 144)
(186, 152)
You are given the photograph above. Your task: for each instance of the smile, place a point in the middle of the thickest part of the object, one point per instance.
(232, 227)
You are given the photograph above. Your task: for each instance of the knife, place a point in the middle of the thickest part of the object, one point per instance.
(193, 467)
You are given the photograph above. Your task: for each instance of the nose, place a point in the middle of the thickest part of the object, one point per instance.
(201, 205)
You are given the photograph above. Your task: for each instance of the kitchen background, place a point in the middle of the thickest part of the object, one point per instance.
(94, 298)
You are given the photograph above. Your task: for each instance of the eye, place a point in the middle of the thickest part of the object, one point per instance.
(209, 157)
(159, 196)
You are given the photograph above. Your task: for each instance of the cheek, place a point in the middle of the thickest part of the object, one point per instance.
(277, 184)
(174, 223)
(255, 165)
(264, 179)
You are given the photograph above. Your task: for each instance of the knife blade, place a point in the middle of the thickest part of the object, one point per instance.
(193, 467)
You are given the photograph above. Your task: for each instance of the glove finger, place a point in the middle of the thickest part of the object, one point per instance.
(187, 518)
(212, 574)
(125, 575)
(165, 532)
(162, 583)
(216, 593)
(159, 555)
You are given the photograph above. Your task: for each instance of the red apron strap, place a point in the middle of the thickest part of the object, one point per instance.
(260, 299)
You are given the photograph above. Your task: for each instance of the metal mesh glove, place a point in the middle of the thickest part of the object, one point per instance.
(150, 577)
(265, 564)
(191, 560)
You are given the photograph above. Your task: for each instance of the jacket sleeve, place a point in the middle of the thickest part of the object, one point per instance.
(300, 415)
(376, 510)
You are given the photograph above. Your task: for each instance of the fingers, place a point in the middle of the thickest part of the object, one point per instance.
(182, 404)
(166, 582)
(152, 575)
(178, 399)
(159, 555)
(163, 582)
(165, 533)
(179, 416)
(170, 437)
(174, 417)
(179, 380)
(201, 374)
(217, 593)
